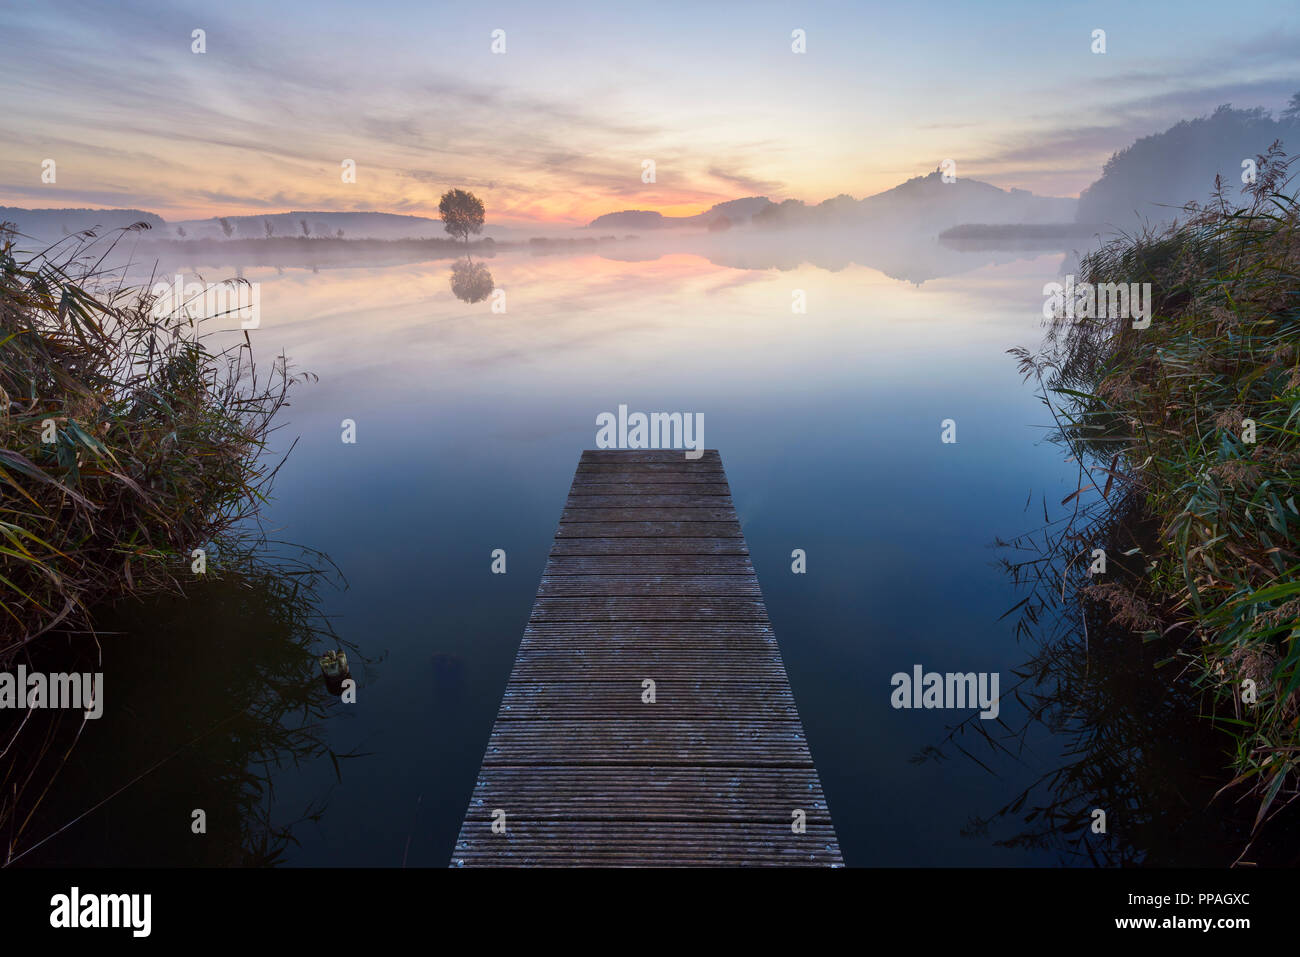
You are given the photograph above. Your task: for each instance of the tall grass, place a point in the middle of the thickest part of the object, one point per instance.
(125, 442)
(1163, 415)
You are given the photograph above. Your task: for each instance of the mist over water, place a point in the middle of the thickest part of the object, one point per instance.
(470, 423)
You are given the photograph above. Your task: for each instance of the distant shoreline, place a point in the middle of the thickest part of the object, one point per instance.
(1018, 236)
(334, 250)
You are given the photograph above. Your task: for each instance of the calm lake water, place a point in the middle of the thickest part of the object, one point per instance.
(469, 425)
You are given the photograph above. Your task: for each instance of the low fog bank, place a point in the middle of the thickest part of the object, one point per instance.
(910, 255)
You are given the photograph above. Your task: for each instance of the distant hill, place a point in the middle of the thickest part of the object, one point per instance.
(49, 225)
(735, 211)
(923, 204)
(359, 225)
(1152, 179)
(631, 219)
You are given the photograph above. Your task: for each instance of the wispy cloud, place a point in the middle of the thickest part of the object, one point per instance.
(557, 129)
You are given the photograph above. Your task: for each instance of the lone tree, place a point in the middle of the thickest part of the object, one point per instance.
(462, 213)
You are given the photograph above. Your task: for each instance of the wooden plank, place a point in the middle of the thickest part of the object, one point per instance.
(674, 545)
(566, 647)
(638, 663)
(653, 793)
(721, 513)
(640, 503)
(675, 699)
(667, 478)
(623, 741)
(599, 634)
(601, 843)
(649, 565)
(648, 578)
(678, 465)
(628, 586)
(672, 608)
(625, 456)
(652, 529)
(583, 489)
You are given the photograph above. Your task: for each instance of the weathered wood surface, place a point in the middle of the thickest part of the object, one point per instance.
(649, 577)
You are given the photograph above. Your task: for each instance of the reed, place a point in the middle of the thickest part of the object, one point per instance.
(126, 442)
(1165, 417)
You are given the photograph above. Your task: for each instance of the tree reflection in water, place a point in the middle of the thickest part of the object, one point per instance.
(471, 281)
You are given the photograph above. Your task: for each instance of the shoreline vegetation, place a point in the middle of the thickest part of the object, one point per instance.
(134, 459)
(1187, 436)
(126, 442)
(331, 251)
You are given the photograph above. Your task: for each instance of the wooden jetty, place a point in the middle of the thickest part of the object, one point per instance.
(649, 577)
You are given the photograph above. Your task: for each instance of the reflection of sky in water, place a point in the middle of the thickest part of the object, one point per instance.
(470, 424)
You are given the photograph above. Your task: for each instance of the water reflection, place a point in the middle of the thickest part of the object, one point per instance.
(208, 697)
(1138, 781)
(909, 256)
(471, 281)
(469, 425)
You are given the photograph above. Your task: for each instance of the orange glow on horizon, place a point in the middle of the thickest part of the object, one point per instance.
(517, 209)
(566, 211)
